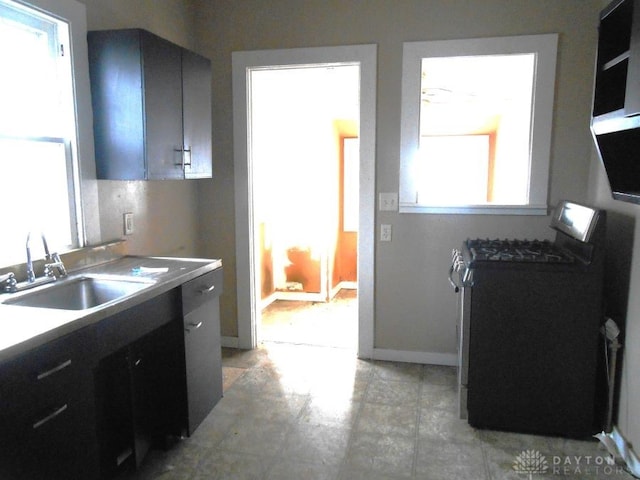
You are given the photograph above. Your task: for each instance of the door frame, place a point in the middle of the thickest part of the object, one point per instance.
(243, 62)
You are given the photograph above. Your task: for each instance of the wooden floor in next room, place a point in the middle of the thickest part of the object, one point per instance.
(327, 324)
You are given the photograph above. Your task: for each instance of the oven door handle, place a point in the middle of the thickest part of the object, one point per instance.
(456, 288)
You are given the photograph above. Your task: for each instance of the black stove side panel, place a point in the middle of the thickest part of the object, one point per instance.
(533, 350)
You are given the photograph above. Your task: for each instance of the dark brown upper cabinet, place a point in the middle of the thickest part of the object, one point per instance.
(151, 107)
(617, 87)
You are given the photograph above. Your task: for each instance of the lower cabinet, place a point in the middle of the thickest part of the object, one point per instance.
(162, 384)
(47, 413)
(89, 405)
(202, 346)
(135, 399)
(114, 419)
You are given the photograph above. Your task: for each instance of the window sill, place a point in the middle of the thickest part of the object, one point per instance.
(476, 209)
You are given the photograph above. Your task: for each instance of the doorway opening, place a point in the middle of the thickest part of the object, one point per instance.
(304, 123)
(252, 238)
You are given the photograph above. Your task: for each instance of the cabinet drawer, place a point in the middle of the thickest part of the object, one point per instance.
(34, 421)
(200, 290)
(57, 370)
(58, 443)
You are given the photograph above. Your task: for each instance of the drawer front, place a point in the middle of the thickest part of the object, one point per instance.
(200, 290)
(57, 370)
(55, 443)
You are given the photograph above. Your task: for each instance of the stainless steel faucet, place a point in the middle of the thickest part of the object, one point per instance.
(8, 282)
(31, 276)
(53, 261)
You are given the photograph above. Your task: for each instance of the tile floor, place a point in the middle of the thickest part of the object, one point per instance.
(305, 413)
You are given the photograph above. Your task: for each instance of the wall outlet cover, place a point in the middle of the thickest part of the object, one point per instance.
(385, 233)
(128, 223)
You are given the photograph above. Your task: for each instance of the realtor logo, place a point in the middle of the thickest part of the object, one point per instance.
(530, 462)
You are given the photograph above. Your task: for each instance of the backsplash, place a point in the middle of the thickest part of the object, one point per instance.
(75, 259)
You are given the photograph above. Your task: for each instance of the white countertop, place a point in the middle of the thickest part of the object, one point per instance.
(23, 328)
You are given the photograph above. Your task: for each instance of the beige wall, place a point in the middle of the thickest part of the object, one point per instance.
(415, 308)
(165, 213)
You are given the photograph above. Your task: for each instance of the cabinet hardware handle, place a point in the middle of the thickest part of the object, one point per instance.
(138, 362)
(194, 325)
(53, 415)
(207, 290)
(62, 366)
(184, 151)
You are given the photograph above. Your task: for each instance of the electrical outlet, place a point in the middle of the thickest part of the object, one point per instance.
(389, 202)
(385, 233)
(128, 223)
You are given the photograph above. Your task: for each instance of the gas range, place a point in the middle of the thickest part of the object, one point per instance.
(504, 250)
(529, 318)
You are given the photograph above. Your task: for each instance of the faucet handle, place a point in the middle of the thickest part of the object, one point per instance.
(57, 263)
(8, 282)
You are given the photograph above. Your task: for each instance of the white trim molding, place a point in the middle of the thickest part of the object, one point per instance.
(242, 64)
(426, 358)
(545, 49)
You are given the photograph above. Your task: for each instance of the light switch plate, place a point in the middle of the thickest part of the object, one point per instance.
(128, 223)
(389, 202)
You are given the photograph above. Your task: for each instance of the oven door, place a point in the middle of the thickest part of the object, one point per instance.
(459, 278)
(464, 320)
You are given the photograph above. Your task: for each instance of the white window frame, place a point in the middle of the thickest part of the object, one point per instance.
(73, 13)
(545, 48)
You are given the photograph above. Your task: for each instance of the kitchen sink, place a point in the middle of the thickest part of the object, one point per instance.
(79, 293)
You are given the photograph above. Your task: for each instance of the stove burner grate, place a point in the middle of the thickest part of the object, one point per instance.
(535, 251)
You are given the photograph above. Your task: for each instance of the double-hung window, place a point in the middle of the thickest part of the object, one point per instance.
(38, 148)
(476, 125)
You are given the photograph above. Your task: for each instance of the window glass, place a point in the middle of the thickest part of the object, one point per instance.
(476, 125)
(36, 132)
(463, 157)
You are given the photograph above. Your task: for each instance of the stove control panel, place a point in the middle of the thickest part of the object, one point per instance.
(577, 221)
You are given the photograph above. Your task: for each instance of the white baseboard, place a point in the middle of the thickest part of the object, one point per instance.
(344, 284)
(230, 342)
(299, 296)
(427, 358)
(265, 302)
(306, 296)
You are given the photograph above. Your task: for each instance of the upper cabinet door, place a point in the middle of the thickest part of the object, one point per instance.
(118, 110)
(196, 103)
(632, 91)
(151, 105)
(618, 62)
(163, 107)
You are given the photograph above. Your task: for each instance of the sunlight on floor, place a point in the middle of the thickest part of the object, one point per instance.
(300, 412)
